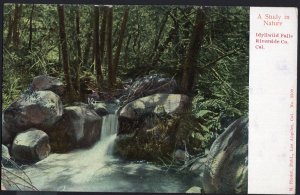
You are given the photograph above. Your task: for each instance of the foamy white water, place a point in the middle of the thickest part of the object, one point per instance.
(95, 169)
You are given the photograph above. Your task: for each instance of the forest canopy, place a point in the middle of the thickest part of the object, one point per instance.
(205, 49)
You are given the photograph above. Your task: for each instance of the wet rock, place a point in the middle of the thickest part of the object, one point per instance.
(149, 85)
(155, 104)
(45, 82)
(5, 152)
(2, 187)
(39, 109)
(142, 143)
(31, 145)
(80, 104)
(197, 167)
(226, 168)
(79, 127)
(194, 189)
(180, 155)
(101, 109)
(7, 137)
(5, 160)
(154, 122)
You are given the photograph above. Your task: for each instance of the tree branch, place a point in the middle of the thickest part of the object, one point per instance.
(218, 59)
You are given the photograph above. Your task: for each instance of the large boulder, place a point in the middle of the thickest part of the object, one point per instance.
(148, 127)
(148, 144)
(142, 113)
(154, 104)
(45, 82)
(31, 146)
(79, 127)
(149, 85)
(38, 109)
(226, 167)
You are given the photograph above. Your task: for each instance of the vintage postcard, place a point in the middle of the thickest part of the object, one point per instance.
(149, 98)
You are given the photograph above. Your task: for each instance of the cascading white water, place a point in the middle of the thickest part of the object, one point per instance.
(109, 126)
(95, 169)
(108, 133)
(92, 160)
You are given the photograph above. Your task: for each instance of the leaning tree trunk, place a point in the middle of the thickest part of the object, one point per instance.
(64, 52)
(161, 48)
(111, 70)
(120, 40)
(162, 26)
(188, 77)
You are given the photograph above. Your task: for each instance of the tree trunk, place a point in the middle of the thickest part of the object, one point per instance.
(10, 31)
(136, 40)
(120, 40)
(30, 28)
(175, 41)
(156, 43)
(64, 52)
(187, 81)
(126, 51)
(89, 38)
(99, 77)
(162, 47)
(102, 34)
(16, 31)
(111, 70)
(79, 55)
(186, 28)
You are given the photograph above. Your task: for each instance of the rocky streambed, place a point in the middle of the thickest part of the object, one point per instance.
(98, 147)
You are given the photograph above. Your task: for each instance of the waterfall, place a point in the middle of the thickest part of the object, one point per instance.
(108, 133)
(109, 126)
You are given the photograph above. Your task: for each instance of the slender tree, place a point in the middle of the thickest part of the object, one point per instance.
(161, 48)
(137, 38)
(10, 31)
(16, 25)
(89, 40)
(111, 70)
(77, 67)
(99, 77)
(30, 28)
(120, 40)
(158, 37)
(64, 51)
(186, 30)
(102, 33)
(188, 77)
(126, 55)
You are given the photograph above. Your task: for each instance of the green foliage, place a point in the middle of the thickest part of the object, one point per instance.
(12, 87)
(220, 94)
(218, 112)
(195, 132)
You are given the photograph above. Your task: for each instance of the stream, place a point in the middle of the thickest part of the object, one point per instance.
(97, 170)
